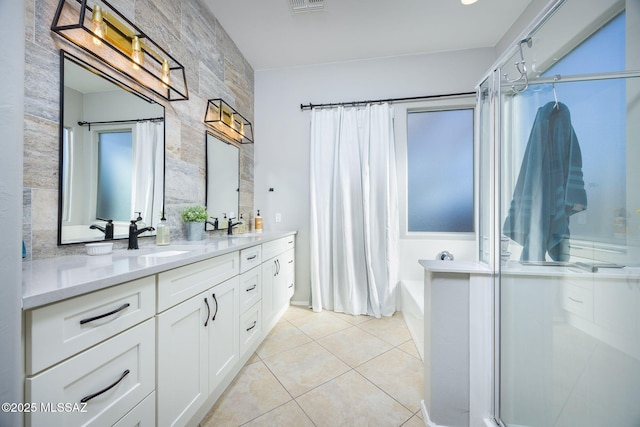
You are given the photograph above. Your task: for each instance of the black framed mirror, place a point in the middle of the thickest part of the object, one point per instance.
(111, 155)
(223, 178)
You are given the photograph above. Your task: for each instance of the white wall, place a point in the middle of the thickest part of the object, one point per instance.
(12, 24)
(282, 136)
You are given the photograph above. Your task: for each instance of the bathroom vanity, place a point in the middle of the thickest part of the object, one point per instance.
(152, 336)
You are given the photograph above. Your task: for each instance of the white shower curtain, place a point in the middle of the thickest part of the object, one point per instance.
(354, 210)
(148, 171)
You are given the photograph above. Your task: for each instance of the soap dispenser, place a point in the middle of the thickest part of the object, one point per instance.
(140, 223)
(163, 232)
(242, 227)
(258, 223)
(224, 222)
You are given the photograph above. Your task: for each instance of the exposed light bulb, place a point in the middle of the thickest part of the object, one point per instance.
(136, 53)
(99, 26)
(165, 73)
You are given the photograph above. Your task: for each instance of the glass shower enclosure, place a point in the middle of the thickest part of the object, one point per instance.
(560, 126)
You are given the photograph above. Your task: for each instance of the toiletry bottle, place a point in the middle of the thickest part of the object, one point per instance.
(258, 223)
(224, 222)
(242, 227)
(163, 232)
(141, 224)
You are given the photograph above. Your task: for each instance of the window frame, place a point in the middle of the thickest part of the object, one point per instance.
(400, 134)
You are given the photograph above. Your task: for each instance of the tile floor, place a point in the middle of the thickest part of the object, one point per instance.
(327, 369)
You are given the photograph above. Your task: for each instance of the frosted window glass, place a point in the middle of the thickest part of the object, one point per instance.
(114, 176)
(440, 171)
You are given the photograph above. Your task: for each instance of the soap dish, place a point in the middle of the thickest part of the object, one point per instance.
(99, 248)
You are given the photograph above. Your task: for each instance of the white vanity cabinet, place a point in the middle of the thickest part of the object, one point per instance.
(198, 345)
(95, 354)
(275, 286)
(158, 350)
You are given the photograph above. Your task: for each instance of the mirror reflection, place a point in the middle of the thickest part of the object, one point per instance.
(223, 178)
(112, 156)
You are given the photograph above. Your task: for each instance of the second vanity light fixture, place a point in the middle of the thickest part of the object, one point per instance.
(221, 117)
(109, 36)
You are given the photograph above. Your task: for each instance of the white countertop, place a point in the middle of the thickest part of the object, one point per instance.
(455, 266)
(45, 281)
(515, 268)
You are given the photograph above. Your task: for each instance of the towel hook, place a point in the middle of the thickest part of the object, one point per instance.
(555, 94)
(521, 67)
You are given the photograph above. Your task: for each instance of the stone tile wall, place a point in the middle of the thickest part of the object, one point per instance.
(215, 68)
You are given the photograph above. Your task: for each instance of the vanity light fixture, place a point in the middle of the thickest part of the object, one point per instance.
(467, 2)
(105, 33)
(227, 122)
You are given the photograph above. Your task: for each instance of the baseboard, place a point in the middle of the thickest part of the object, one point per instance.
(300, 303)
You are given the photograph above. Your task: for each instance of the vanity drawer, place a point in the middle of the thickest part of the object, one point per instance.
(250, 258)
(182, 283)
(578, 300)
(250, 288)
(123, 367)
(250, 328)
(57, 331)
(143, 415)
(275, 247)
(290, 242)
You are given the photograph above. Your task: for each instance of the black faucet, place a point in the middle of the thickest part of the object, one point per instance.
(230, 226)
(214, 223)
(134, 232)
(107, 229)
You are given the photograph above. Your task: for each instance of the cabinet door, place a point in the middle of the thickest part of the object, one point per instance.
(222, 330)
(182, 379)
(269, 290)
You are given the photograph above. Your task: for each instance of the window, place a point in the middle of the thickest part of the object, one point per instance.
(440, 171)
(114, 175)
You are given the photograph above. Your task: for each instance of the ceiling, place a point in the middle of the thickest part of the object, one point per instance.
(270, 35)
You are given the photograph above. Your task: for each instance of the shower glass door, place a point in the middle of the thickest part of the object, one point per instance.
(568, 297)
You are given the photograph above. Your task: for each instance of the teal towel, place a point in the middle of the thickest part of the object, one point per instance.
(550, 186)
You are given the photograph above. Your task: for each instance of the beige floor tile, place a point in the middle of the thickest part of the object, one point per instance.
(398, 374)
(390, 329)
(354, 346)
(297, 312)
(354, 320)
(320, 324)
(254, 392)
(284, 336)
(287, 415)
(415, 421)
(409, 347)
(351, 400)
(305, 367)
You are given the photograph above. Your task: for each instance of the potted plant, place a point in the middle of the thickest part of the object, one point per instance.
(194, 218)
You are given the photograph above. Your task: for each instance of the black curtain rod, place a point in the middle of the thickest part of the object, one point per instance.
(151, 119)
(379, 101)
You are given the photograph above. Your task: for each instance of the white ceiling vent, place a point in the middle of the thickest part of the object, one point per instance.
(298, 6)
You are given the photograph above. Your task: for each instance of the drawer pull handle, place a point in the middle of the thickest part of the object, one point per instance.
(101, 316)
(252, 257)
(252, 288)
(253, 325)
(576, 300)
(290, 261)
(216, 312)
(106, 389)
(291, 285)
(206, 322)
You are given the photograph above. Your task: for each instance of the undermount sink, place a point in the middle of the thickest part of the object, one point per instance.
(163, 254)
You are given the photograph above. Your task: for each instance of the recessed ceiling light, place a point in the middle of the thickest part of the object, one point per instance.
(465, 2)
